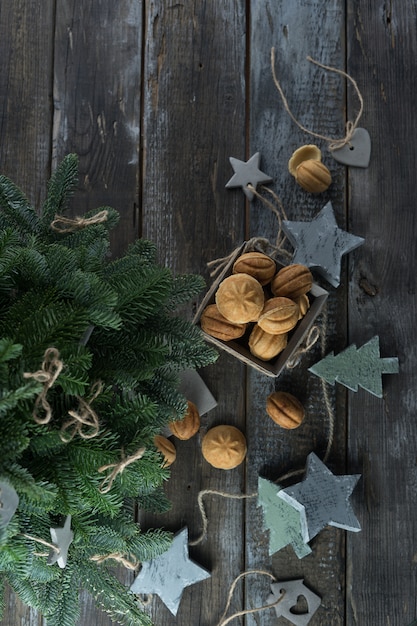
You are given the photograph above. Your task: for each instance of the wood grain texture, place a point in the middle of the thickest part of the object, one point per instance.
(26, 35)
(194, 119)
(317, 101)
(382, 434)
(26, 43)
(97, 78)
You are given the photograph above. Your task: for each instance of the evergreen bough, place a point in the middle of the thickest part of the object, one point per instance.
(114, 324)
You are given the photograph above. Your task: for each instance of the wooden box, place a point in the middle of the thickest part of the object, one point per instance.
(238, 348)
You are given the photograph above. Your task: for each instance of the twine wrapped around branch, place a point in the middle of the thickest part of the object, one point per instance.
(118, 468)
(115, 556)
(84, 421)
(63, 224)
(50, 370)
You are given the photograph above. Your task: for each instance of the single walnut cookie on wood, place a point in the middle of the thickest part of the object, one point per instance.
(188, 426)
(224, 447)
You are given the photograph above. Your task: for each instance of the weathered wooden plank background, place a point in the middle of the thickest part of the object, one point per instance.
(154, 97)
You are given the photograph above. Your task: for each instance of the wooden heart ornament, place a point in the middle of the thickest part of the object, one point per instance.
(357, 152)
(8, 503)
(295, 597)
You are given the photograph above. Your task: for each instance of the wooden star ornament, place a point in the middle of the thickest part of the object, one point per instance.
(247, 173)
(293, 590)
(324, 498)
(170, 573)
(62, 539)
(320, 244)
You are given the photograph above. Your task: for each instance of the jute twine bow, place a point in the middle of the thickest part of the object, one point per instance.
(63, 224)
(115, 556)
(84, 421)
(118, 468)
(223, 620)
(50, 370)
(334, 144)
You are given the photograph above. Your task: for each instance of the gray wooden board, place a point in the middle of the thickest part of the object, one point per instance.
(26, 43)
(316, 99)
(194, 118)
(382, 433)
(97, 89)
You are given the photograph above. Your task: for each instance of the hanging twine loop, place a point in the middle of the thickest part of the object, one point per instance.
(51, 546)
(130, 564)
(276, 250)
(118, 468)
(334, 144)
(223, 494)
(312, 338)
(224, 621)
(84, 421)
(50, 370)
(63, 224)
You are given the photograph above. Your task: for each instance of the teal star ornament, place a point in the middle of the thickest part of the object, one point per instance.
(170, 573)
(62, 539)
(324, 497)
(247, 173)
(357, 367)
(284, 522)
(320, 244)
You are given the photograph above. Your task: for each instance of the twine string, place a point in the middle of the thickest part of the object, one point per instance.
(83, 417)
(115, 556)
(52, 546)
(334, 144)
(203, 513)
(313, 336)
(62, 224)
(224, 621)
(50, 370)
(118, 468)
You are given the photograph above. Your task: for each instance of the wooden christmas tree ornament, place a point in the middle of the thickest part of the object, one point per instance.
(357, 367)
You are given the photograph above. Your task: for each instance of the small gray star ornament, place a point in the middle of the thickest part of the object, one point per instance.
(324, 498)
(170, 573)
(320, 244)
(9, 501)
(62, 539)
(247, 173)
(293, 590)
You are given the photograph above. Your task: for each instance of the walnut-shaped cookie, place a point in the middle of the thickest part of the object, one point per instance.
(216, 325)
(224, 447)
(265, 346)
(240, 298)
(279, 316)
(188, 426)
(256, 264)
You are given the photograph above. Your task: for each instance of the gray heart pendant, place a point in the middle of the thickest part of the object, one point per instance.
(357, 152)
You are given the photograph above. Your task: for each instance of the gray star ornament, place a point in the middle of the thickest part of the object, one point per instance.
(9, 501)
(320, 244)
(170, 573)
(324, 497)
(62, 539)
(247, 172)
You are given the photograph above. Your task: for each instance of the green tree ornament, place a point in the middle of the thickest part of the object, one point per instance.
(91, 356)
(357, 367)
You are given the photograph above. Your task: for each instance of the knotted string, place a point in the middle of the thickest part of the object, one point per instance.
(50, 370)
(115, 556)
(63, 224)
(223, 621)
(83, 417)
(118, 468)
(334, 144)
(313, 336)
